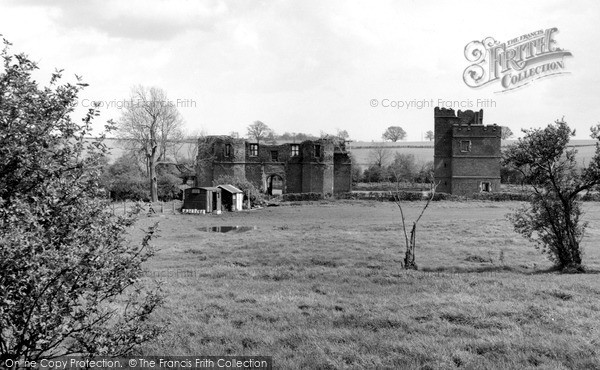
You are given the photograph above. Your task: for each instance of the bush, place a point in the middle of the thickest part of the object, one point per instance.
(250, 191)
(406, 196)
(291, 197)
(502, 197)
(69, 279)
(124, 180)
(591, 197)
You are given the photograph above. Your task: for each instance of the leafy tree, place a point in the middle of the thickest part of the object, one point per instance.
(251, 192)
(553, 217)
(429, 135)
(151, 125)
(506, 133)
(404, 168)
(375, 174)
(425, 174)
(169, 181)
(394, 133)
(342, 134)
(125, 180)
(296, 136)
(271, 138)
(70, 283)
(259, 131)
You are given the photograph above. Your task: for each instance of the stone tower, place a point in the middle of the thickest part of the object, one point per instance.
(466, 153)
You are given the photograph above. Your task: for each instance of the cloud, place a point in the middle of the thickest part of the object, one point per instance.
(135, 19)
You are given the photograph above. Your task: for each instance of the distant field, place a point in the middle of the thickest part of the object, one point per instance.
(319, 286)
(423, 150)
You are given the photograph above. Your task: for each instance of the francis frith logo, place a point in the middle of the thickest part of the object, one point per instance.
(515, 63)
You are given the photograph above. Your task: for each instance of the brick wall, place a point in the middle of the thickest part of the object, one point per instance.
(466, 152)
(308, 171)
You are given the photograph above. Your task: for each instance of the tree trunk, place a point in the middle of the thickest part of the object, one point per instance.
(409, 258)
(153, 183)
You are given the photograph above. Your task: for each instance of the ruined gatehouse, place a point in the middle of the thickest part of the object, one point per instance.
(312, 166)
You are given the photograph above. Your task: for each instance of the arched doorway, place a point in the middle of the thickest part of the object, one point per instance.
(274, 185)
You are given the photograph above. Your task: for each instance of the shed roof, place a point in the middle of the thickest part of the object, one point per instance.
(230, 188)
(211, 188)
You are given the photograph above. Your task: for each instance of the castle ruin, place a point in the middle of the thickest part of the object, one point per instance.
(312, 166)
(466, 153)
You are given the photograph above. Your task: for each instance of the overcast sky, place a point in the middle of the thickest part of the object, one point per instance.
(310, 66)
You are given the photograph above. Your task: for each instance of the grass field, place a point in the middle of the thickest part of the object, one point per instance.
(320, 286)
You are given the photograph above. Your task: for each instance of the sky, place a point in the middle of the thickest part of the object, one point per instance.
(311, 66)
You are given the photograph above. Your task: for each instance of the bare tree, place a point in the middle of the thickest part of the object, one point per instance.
(379, 156)
(259, 131)
(149, 125)
(409, 258)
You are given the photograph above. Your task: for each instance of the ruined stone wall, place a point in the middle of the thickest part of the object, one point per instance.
(342, 173)
(328, 167)
(309, 171)
(293, 174)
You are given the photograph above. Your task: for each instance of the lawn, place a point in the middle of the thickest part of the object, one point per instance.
(320, 286)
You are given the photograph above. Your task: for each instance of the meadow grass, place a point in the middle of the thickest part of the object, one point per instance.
(320, 286)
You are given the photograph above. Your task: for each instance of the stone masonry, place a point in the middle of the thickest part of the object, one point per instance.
(466, 153)
(319, 166)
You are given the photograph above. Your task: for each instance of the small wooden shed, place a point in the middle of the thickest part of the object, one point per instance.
(207, 199)
(233, 198)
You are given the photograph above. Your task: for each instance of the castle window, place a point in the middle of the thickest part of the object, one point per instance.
(295, 150)
(317, 150)
(254, 150)
(227, 150)
(465, 145)
(274, 155)
(486, 187)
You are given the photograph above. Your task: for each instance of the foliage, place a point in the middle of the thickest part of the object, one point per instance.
(394, 133)
(125, 181)
(506, 133)
(501, 197)
(429, 135)
(375, 174)
(151, 125)
(290, 197)
(552, 218)
(296, 136)
(342, 134)
(259, 131)
(357, 172)
(251, 192)
(509, 175)
(425, 174)
(403, 168)
(169, 181)
(69, 280)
